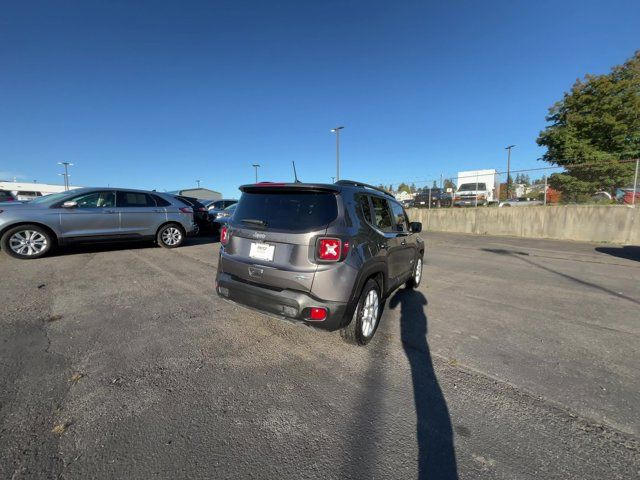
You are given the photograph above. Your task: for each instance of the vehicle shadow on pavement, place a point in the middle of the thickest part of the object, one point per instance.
(436, 454)
(629, 252)
(99, 247)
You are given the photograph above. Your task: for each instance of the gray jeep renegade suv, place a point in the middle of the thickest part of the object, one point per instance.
(327, 255)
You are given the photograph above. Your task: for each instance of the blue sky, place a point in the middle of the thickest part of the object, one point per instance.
(158, 94)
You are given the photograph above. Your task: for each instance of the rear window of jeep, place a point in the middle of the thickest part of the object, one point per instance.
(292, 211)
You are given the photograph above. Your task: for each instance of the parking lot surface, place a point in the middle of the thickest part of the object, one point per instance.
(515, 359)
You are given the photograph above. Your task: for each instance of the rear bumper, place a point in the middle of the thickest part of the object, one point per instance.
(288, 304)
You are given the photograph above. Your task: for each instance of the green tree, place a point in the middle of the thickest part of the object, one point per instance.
(593, 128)
(435, 185)
(448, 183)
(403, 187)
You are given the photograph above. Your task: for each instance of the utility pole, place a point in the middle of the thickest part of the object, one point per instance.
(256, 166)
(545, 191)
(333, 179)
(337, 132)
(66, 174)
(508, 167)
(198, 182)
(635, 184)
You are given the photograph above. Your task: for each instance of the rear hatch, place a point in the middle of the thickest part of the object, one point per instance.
(273, 233)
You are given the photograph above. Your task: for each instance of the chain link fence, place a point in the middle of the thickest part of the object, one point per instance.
(601, 183)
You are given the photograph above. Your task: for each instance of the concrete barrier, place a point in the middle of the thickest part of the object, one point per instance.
(588, 223)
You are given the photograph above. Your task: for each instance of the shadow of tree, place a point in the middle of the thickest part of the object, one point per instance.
(520, 256)
(436, 454)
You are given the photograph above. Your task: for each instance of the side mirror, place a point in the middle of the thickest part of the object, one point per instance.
(70, 204)
(415, 227)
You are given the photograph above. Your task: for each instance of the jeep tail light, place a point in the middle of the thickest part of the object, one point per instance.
(329, 249)
(224, 235)
(202, 209)
(186, 210)
(317, 313)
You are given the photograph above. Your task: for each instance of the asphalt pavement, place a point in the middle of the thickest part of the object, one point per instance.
(515, 359)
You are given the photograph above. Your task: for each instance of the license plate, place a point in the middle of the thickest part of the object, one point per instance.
(262, 251)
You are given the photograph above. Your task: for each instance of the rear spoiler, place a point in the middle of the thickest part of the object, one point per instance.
(271, 187)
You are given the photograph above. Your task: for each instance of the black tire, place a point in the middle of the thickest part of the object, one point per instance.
(33, 240)
(414, 281)
(354, 332)
(171, 235)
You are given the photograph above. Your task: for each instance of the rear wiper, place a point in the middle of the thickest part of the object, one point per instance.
(254, 221)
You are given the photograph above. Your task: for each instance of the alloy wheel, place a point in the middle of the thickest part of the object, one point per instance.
(370, 313)
(417, 274)
(171, 236)
(28, 243)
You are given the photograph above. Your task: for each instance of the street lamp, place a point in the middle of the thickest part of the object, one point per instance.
(66, 174)
(256, 166)
(508, 149)
(198, 182)
(337, 132)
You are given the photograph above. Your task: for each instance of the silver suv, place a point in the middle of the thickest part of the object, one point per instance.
(31, 229)
(327, 255)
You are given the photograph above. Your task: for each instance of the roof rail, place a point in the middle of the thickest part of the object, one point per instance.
(353, 183)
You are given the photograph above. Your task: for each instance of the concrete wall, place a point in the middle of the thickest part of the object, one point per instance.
(588, 223)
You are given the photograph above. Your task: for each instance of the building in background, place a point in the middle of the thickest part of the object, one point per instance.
(28, 190)
(199, 193)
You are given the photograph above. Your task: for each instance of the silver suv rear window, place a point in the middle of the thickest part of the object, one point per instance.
(292, 211)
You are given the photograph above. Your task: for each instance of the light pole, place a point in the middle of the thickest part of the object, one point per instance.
(337, 132)
(333, 179)
(66, 174)
(198, 182)
(508, 149)
(256, 166)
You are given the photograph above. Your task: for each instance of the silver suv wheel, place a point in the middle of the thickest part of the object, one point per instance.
(170, 236)
(28, 243)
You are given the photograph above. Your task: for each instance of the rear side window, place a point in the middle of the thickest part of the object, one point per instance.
(383, 216)
(293, 211)
(185, 201)
(5, 196)
(161, 202)
(135, 199)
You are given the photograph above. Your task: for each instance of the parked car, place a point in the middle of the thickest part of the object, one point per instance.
(223, 217)
(217, 206)
(324, 254)
(26, 195)
(520, 202)
(200, 213)
(7, 196)
(32, 229)
(439, 198)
